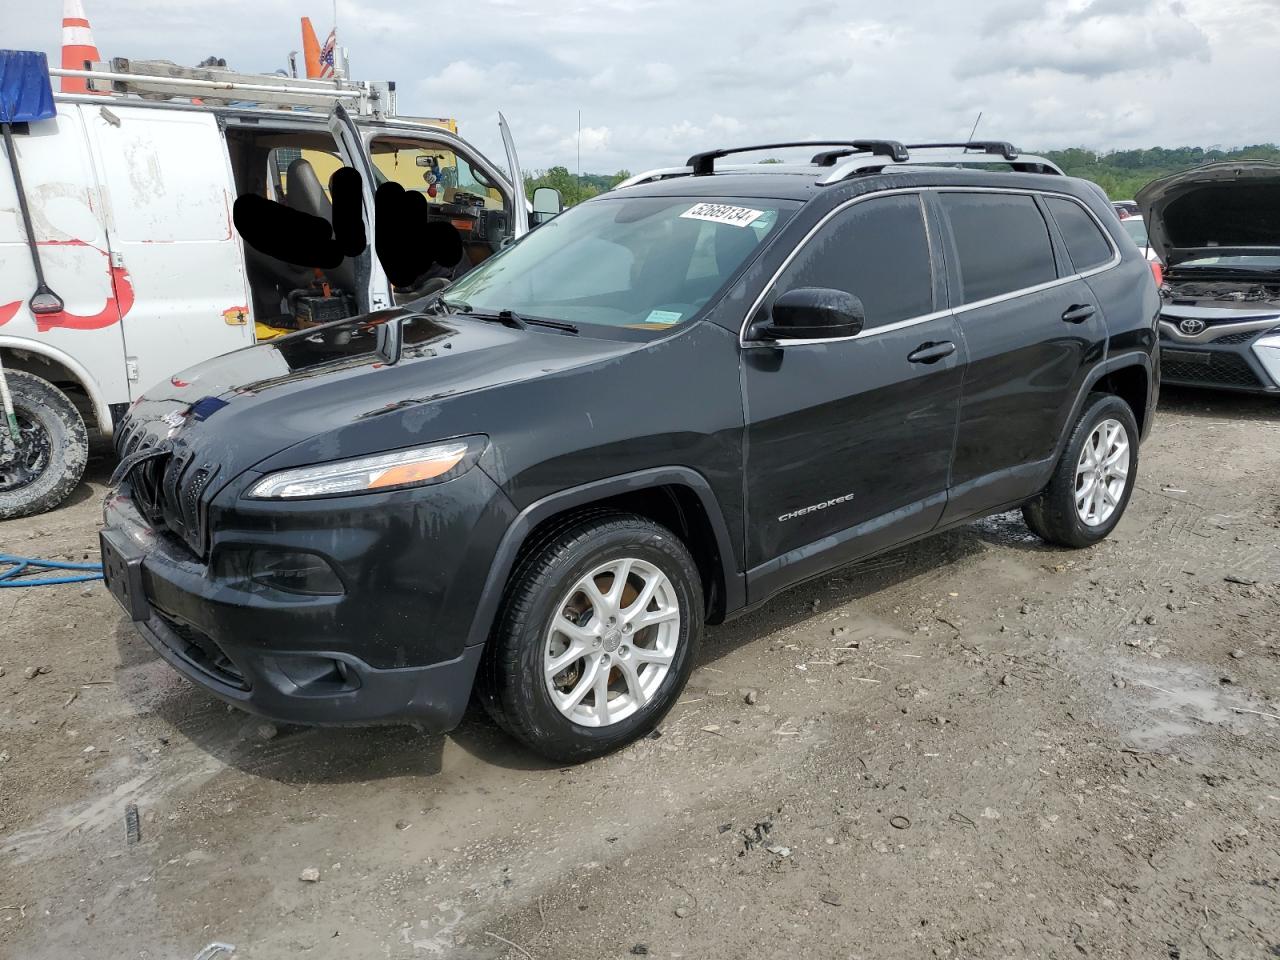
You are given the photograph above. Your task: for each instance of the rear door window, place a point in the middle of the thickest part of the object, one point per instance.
(1002, 243)
(1086, 245)
(877, 250)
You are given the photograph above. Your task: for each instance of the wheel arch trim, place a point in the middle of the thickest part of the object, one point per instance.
(583, 496)
(101, 410)
(1111, 365)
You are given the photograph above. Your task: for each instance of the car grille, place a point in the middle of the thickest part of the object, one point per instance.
(1224, 369)
(201, 651)
(170, 490)
(1233, 338)
(1229, 339)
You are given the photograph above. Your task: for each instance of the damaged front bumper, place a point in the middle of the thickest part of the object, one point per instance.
(385, 643)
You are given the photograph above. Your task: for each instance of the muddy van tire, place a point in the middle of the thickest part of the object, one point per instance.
(51, 453)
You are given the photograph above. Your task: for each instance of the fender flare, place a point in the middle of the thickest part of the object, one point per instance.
(584, 495)
(1110, 365)
(101, 410)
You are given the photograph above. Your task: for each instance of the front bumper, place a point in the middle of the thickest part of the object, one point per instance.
(1245, 360)
(391, 648)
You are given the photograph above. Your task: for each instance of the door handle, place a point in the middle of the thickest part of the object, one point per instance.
(1078, 313)
(931, 352)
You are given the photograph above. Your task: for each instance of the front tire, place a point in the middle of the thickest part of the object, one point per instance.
(51, 452)
(1094, 478)
(596, 637)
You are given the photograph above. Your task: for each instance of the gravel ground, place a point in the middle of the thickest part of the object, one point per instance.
(977, 746)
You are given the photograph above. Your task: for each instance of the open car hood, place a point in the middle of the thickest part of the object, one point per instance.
(1219, 209)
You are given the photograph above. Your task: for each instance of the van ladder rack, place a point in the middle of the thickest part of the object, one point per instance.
(161, 80)
(703, 164)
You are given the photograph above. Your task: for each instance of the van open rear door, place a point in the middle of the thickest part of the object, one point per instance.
(520, 209)
(354, 154)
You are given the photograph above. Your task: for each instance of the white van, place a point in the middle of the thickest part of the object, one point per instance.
(131, 206)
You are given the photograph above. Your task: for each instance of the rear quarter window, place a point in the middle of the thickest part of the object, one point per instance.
(1086, 245)
(1002, 243)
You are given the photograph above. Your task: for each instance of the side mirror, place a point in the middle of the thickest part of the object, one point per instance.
(547, 204)
(813, 313)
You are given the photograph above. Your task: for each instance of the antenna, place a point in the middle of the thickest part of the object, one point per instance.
(969, 139)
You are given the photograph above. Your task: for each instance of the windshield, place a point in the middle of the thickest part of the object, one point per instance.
(435, 171)
(1137, 230)
(638, 264)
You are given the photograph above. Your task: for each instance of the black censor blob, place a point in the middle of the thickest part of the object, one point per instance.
(408, 243)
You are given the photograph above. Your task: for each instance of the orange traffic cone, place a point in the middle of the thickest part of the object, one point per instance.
(78, 50)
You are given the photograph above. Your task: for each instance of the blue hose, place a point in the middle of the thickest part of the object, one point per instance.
(17, 566)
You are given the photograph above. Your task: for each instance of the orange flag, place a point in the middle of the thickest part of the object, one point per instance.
(310, 48)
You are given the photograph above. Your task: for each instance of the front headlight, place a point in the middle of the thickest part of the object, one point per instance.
(1267, 350)
(411, 467)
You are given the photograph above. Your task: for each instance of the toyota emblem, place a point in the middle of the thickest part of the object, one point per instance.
(1191, 326)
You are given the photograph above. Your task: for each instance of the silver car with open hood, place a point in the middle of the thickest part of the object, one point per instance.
(1217, 229)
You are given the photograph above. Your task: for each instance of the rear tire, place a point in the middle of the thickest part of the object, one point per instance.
(1087, 496)
(51, 454)
(596, 637)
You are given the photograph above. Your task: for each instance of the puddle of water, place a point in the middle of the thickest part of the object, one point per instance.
(1169, 702)
(1005, 528)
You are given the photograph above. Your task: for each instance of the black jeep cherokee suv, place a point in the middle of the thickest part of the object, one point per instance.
(656, 411)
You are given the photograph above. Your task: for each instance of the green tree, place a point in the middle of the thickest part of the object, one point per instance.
(1122, 173)
(572, 190)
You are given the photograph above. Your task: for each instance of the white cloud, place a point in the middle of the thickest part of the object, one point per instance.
(594, 140)
(1090, 39)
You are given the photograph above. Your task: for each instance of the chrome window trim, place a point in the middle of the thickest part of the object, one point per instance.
(1115, 260)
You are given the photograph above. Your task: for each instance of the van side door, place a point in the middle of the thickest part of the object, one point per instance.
(460, 187)
(166, 182)
(71, 231)
(351, 146)
(1033, 331)
(849, 441)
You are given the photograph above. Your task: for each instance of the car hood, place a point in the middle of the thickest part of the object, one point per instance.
(344, 389)
(1219, 209)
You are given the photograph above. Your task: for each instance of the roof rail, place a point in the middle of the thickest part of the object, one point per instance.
(161, 80)
(703, 164)
(1002, 148)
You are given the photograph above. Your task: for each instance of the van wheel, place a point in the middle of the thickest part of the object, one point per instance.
(1092, 483)
(596, 637)
(51, 451)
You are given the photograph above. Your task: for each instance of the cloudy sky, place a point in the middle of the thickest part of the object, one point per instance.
(658, 79)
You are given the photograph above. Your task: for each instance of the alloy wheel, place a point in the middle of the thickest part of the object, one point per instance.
(611, 642)
(1102, 473)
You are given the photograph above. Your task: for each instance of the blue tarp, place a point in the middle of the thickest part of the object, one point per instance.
(25, 93)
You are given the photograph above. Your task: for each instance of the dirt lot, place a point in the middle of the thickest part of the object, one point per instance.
(974, 747)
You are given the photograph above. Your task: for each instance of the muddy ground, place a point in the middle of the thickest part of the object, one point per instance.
(977, 746)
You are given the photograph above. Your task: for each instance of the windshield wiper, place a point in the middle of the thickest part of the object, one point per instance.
(553, 324)
(512, 319)
(507, 317)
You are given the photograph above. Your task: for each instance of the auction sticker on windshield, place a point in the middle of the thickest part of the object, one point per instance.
(723, 213)
(664, 317)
